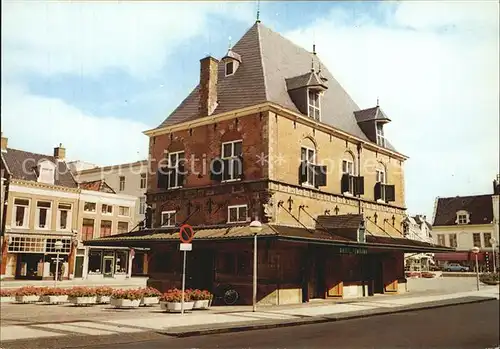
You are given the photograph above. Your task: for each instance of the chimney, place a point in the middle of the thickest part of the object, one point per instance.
(208, 86)
(60, 152)
(4, 143)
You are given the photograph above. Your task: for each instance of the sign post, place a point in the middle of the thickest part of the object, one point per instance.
(186, 235)
(475, 250)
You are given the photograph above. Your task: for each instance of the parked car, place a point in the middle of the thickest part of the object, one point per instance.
(456, 267)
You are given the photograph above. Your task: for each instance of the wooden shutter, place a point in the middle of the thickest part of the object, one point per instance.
(302, 172)
(320, 174)
(216, 169)
(161, 178)
(378, 191)
(390, 192)
(344, 183)
(359, 185)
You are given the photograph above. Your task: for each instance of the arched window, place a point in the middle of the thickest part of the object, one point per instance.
(348, 172)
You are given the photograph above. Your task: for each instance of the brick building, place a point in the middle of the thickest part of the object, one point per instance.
(268, 133)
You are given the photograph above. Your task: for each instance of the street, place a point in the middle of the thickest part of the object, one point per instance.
(462, 326)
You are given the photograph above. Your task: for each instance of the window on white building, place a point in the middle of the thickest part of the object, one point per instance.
(43, 214)
(89, 206)
(441, 239)
(453, 240)
(107, 209)
(168, 219)
(122, 227)
(237, 213)
(487, 238)
(142, 205)
(123, 211)
(64, 216)
(21, 213)
(143, 181)
(122, 183)
(476, 239)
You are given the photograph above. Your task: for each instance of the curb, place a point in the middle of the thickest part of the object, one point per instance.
(269, 324)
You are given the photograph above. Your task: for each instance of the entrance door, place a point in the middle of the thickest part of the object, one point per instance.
(200, 269)
(319, 271)
(79, 266)
(109, 263)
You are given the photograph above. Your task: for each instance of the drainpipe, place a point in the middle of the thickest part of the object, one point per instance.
(4, 203)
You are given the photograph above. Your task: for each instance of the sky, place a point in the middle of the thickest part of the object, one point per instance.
(95, 75)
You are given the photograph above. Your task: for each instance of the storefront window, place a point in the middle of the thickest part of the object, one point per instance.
(121, 264)
(95, 261)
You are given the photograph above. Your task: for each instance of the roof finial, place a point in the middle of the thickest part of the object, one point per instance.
(258, 11)
(229, 48)
(312, 63)
(314, 49)
(377, 101)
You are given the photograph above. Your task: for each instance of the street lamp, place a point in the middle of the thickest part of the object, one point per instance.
(493, 243)
(475, 250)
(255, 228)
(58, 247)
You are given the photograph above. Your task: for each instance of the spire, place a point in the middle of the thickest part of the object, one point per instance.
(230, 45)
(258, 11)
(312, 63)
(377, 101)
(314, 49)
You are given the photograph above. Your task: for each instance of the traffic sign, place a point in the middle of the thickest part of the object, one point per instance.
(186, 247)
(186, 233)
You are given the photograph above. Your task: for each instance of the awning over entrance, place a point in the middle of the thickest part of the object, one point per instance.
(269, 231)
(460, 256)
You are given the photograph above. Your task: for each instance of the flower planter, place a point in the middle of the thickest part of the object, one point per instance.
(83, 301)
(55, 299)
(201, 304)
(176, 307)
(490, 282)
(149, 301)
(103, 299)
(27, 299)
(7, 299)
(125, 303)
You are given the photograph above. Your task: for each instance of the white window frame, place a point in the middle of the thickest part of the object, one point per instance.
(107, 213)
(48, 217)
(170, 215)
(462, 219)
(352, 174)
(118, 227)
(310, 182)
(381, 178)
(90, 202)
(225, 68)
(144, 181)
(379, 129)
(231, 158)
(100, 227)
(175, 168)
(316, 108)
(121, 184)
(127, 209)
(142, 205)
(26, 216)
(68, 217)
(237, 208)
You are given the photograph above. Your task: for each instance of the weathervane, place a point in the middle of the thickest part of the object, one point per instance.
(258, 11)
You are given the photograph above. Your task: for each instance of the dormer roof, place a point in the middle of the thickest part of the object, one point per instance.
(371, 114)
(232, 55)
(310, 79)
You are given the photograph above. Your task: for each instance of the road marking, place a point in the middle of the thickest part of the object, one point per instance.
(8, 333)
(77, 329)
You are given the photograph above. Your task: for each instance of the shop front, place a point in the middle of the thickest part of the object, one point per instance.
(107, 262)
(33, 257)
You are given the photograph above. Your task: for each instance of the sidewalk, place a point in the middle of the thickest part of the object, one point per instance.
(221, 319)
(125, 283)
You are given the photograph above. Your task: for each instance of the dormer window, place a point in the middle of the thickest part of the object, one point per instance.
(229, 68)
(46, 172)
(313, 102)
(462, 217)
(380, 134)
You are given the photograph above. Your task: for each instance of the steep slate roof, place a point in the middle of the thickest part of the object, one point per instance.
(480, 208)
(98, 185)
(268, 59)
(15, 162)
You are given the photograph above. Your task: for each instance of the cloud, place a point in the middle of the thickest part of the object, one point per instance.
(434, 67)
(39, 124)
(86, 38)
